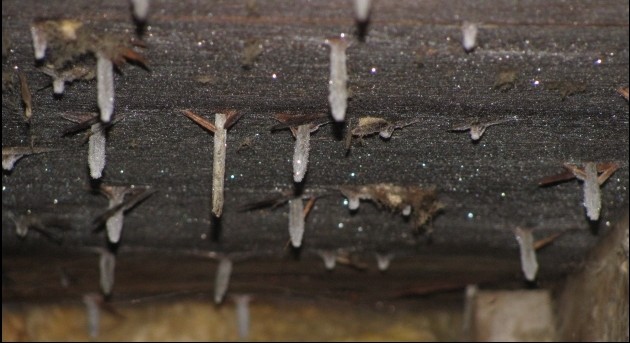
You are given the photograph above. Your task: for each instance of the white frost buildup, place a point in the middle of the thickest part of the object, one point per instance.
(469, 36)
(21, 225)
(114, 227)
(478, 128)
(93, 312)
(242, 315)
(96, 151)
(362, 9)
(218, 166)
(469, 310)
(8, 160)
(476, 131)
(353, 203)
(337, 86)
(114, 224)
(300, 155)
(105, 87)
(592, 192)
(296, 221)
(140, 9)
(383, 261)
(222, 279)
(330, 258)
(40, 42)
(529, 263)
(107, 264)
(59, 85)
(10, 155)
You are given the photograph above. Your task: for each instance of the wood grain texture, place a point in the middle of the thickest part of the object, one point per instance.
(411, 67)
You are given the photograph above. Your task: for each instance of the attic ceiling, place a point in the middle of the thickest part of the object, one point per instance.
(410, 67)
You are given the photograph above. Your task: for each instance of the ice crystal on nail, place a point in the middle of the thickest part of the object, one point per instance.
(300, 155)
(337, 86)
(469, 36)
(330, 258)
(477, 128)
(40, 42)
(592, 192)
(222, 123)
(114, 224)
(8, 160)
(353, 202)
(383, 261)
(218, 164)
(301, 126)
(372, 125)
(529, 264)
(97, 138)
(105, 86)
(362, 9)
(96, 150)
(592, 179)
(242, 315)
(296, 221)
(592, 182)
(140, 9)
(107, 266)
(121, 199)
(10, 155)
(92, 303)
(222, 279)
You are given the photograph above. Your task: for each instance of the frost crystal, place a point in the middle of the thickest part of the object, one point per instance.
(93, 313)
(300, 155)
(383, 261)
(218, 166)
(10, 155)
(469, 36)
(114, 223)
(59, 85)
(107, 265)
(39, 42)
(222, 279)
(96, 151)
(296, 221)
(242, 315)
(362, 9)
(140, 9)
(529, 263)
(330, 258)
(105, 87)
(592, 192)
(337, 86)
(8, 160)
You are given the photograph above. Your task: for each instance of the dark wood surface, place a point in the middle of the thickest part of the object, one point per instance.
(421, 72)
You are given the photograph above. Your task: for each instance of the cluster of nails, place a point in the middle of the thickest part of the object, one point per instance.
(75, 63)
(123, 198)
(302, 126)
